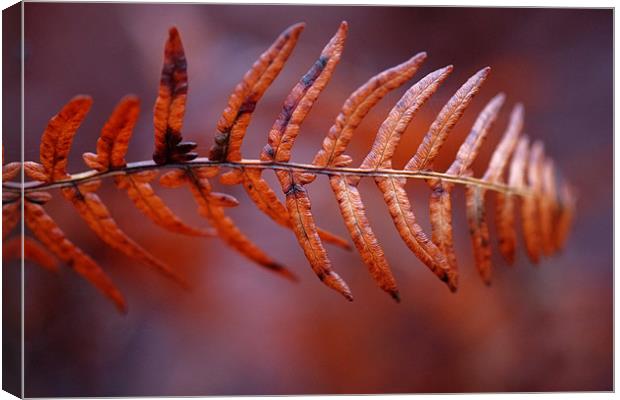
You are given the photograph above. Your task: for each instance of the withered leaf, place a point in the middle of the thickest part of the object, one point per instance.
(92, 210)
(144, 197)
(567, 205)
(200, 186)
(505, 205)
(548, 207)
(267, 201)
(411, 232)
(479, 230)
(357, 106)
(10, 171)
(391, 130)
(530, 213)
(35, 171)
(476, 215)
(33, 251)
(440, 204)
(58, 136)
(114, 139)
(299, 208)
(301, 99)
(447, 118)
(170, 105)
(48, 233)
(354, 214)
(11, 215)
(236, 117)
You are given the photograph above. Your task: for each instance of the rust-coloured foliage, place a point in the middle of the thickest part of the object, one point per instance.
(46, 230)
(33, 251)
(547, 202)
(234, 122)
(170, 105)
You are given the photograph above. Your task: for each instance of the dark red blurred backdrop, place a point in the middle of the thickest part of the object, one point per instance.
(244, 331)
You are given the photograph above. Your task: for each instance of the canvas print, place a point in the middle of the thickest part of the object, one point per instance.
(208, 200)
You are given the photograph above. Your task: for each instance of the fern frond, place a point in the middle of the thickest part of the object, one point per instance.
(547, 202)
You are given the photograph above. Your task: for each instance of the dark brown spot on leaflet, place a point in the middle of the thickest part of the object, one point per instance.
(221, 138)
(179, 89)
(269, 151)
(160, 158)
(219, 151)
(248, 106)
(293, 189)
(308, 79)
(77, 192)
(172, 137)
(285, 116)
(321, 275)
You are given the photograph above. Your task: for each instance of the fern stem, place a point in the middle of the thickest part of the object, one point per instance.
(138, 166)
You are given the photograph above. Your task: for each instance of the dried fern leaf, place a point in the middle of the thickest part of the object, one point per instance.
(411, 232)
(302, 96)
(267, 201)
(470, 148)
(506, 146)
(96, 215)
(301, 99)
(280, 141)
(170, 105)
(380, 156)
(58, 136)
(114, 139)
(474, 197)
(198, 180)
(530, 213)
(46, 230)
(440, 203)
(304, 227)
(285, 129)
(11, 214)
(236, 117)
(38, 197)
(440, 208)
(357, 106)
(33, 251)
(10, 170)
(505, 206)
(111, 149)
(447, 118)
(35, 171)
(354, 214)
(548, 207)
(144, 197)
(566, 214)
(391, 130)
(479, 231)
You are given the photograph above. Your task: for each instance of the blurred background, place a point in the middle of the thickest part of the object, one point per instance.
(242, 330)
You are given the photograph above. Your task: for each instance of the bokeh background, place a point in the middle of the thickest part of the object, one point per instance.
(241, 330)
